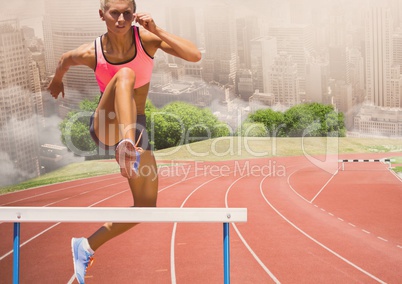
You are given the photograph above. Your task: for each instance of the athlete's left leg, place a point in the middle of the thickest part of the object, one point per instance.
(144, 189)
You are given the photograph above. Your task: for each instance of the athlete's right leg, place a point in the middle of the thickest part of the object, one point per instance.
(114, 120)
(116, 115)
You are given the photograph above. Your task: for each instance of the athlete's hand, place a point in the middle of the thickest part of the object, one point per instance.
(146, 21)
(55, 88)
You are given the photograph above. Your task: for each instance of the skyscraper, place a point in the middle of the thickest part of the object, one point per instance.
(297, 41)
(285, 81)
(180, 20)
(378, 51)
(19, 101)
(247, 29)
(67, 25)
(263, 53)
(395, 97)
(220, 61)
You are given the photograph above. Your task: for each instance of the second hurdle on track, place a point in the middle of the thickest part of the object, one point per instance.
(386, 161)
(18, 215)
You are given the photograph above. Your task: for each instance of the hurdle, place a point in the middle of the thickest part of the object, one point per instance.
(18, 215)
(387, 161)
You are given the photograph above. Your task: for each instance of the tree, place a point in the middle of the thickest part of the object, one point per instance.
(253, 129)
(310, 119)
(273, 121)
(314, 119)
(75, 129)
(176, 124)
(180, 123)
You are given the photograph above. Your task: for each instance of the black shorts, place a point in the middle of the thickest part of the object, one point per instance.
(140, 127)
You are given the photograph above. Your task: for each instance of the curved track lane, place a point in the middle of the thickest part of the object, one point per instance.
(304, 226)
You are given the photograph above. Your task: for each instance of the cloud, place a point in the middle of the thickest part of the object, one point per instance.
(9, 174)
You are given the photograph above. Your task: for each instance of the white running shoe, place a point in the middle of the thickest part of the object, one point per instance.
(82, 259)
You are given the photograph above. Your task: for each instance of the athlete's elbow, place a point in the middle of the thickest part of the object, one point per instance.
(195, 56)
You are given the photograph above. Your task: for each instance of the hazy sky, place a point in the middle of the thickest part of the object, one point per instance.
(30, 12)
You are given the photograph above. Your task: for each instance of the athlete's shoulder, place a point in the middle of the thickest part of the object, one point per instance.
(84, 54)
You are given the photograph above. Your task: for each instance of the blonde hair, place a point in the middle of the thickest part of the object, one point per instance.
(103, 4)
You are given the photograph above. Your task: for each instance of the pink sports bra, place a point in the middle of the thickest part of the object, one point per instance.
(142, 64)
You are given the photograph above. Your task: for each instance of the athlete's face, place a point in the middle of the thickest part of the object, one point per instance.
(118, 14)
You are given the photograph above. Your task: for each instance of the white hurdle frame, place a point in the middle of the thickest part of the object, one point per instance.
(18, 215)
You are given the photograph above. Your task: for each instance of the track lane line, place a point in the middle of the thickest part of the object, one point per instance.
(322, 209)
(173, 238)
(94, 204)
(325, 185)
(50, 192)
(55, 225)
(316, 241)
(259, 261)
(186, 178)
(78, 194)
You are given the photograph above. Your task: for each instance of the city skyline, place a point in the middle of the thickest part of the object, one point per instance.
(256, 54)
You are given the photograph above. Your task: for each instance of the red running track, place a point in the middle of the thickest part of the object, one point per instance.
(305, 225)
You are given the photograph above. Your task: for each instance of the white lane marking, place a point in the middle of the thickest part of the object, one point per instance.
(53, 226)
(53, 191)
(385, 240)
(173, 238)
(31, 239)
(317, 242)
(325, 185)
(259, 261)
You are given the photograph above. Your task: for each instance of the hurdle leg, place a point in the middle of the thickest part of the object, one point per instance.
(16, 253)
(226, 253)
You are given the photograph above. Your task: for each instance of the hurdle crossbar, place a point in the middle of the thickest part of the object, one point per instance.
(387, 161)
(18, 215)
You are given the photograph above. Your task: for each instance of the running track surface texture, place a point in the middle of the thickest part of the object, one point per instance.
(306, 224)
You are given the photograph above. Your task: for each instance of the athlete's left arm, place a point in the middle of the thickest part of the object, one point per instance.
(168, 42)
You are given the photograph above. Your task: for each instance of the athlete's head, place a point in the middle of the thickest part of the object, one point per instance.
(104, 4)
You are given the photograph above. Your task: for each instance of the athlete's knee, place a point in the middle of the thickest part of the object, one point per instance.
(126, 75)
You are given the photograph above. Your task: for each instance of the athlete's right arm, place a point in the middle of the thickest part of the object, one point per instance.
(83, 55)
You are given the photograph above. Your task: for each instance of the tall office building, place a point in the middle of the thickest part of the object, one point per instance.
(342, 97)
(337, 45)
(220, 61)
(67, 25)
(263, 53)
(355, 64)
(379, 53)
(181, 21)
(297, 41)
(285, 81)
(396, 9)
(395, 97)
(19, 100)
(247, 29)
(245, 84)
(397, 48)
(317, 77)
